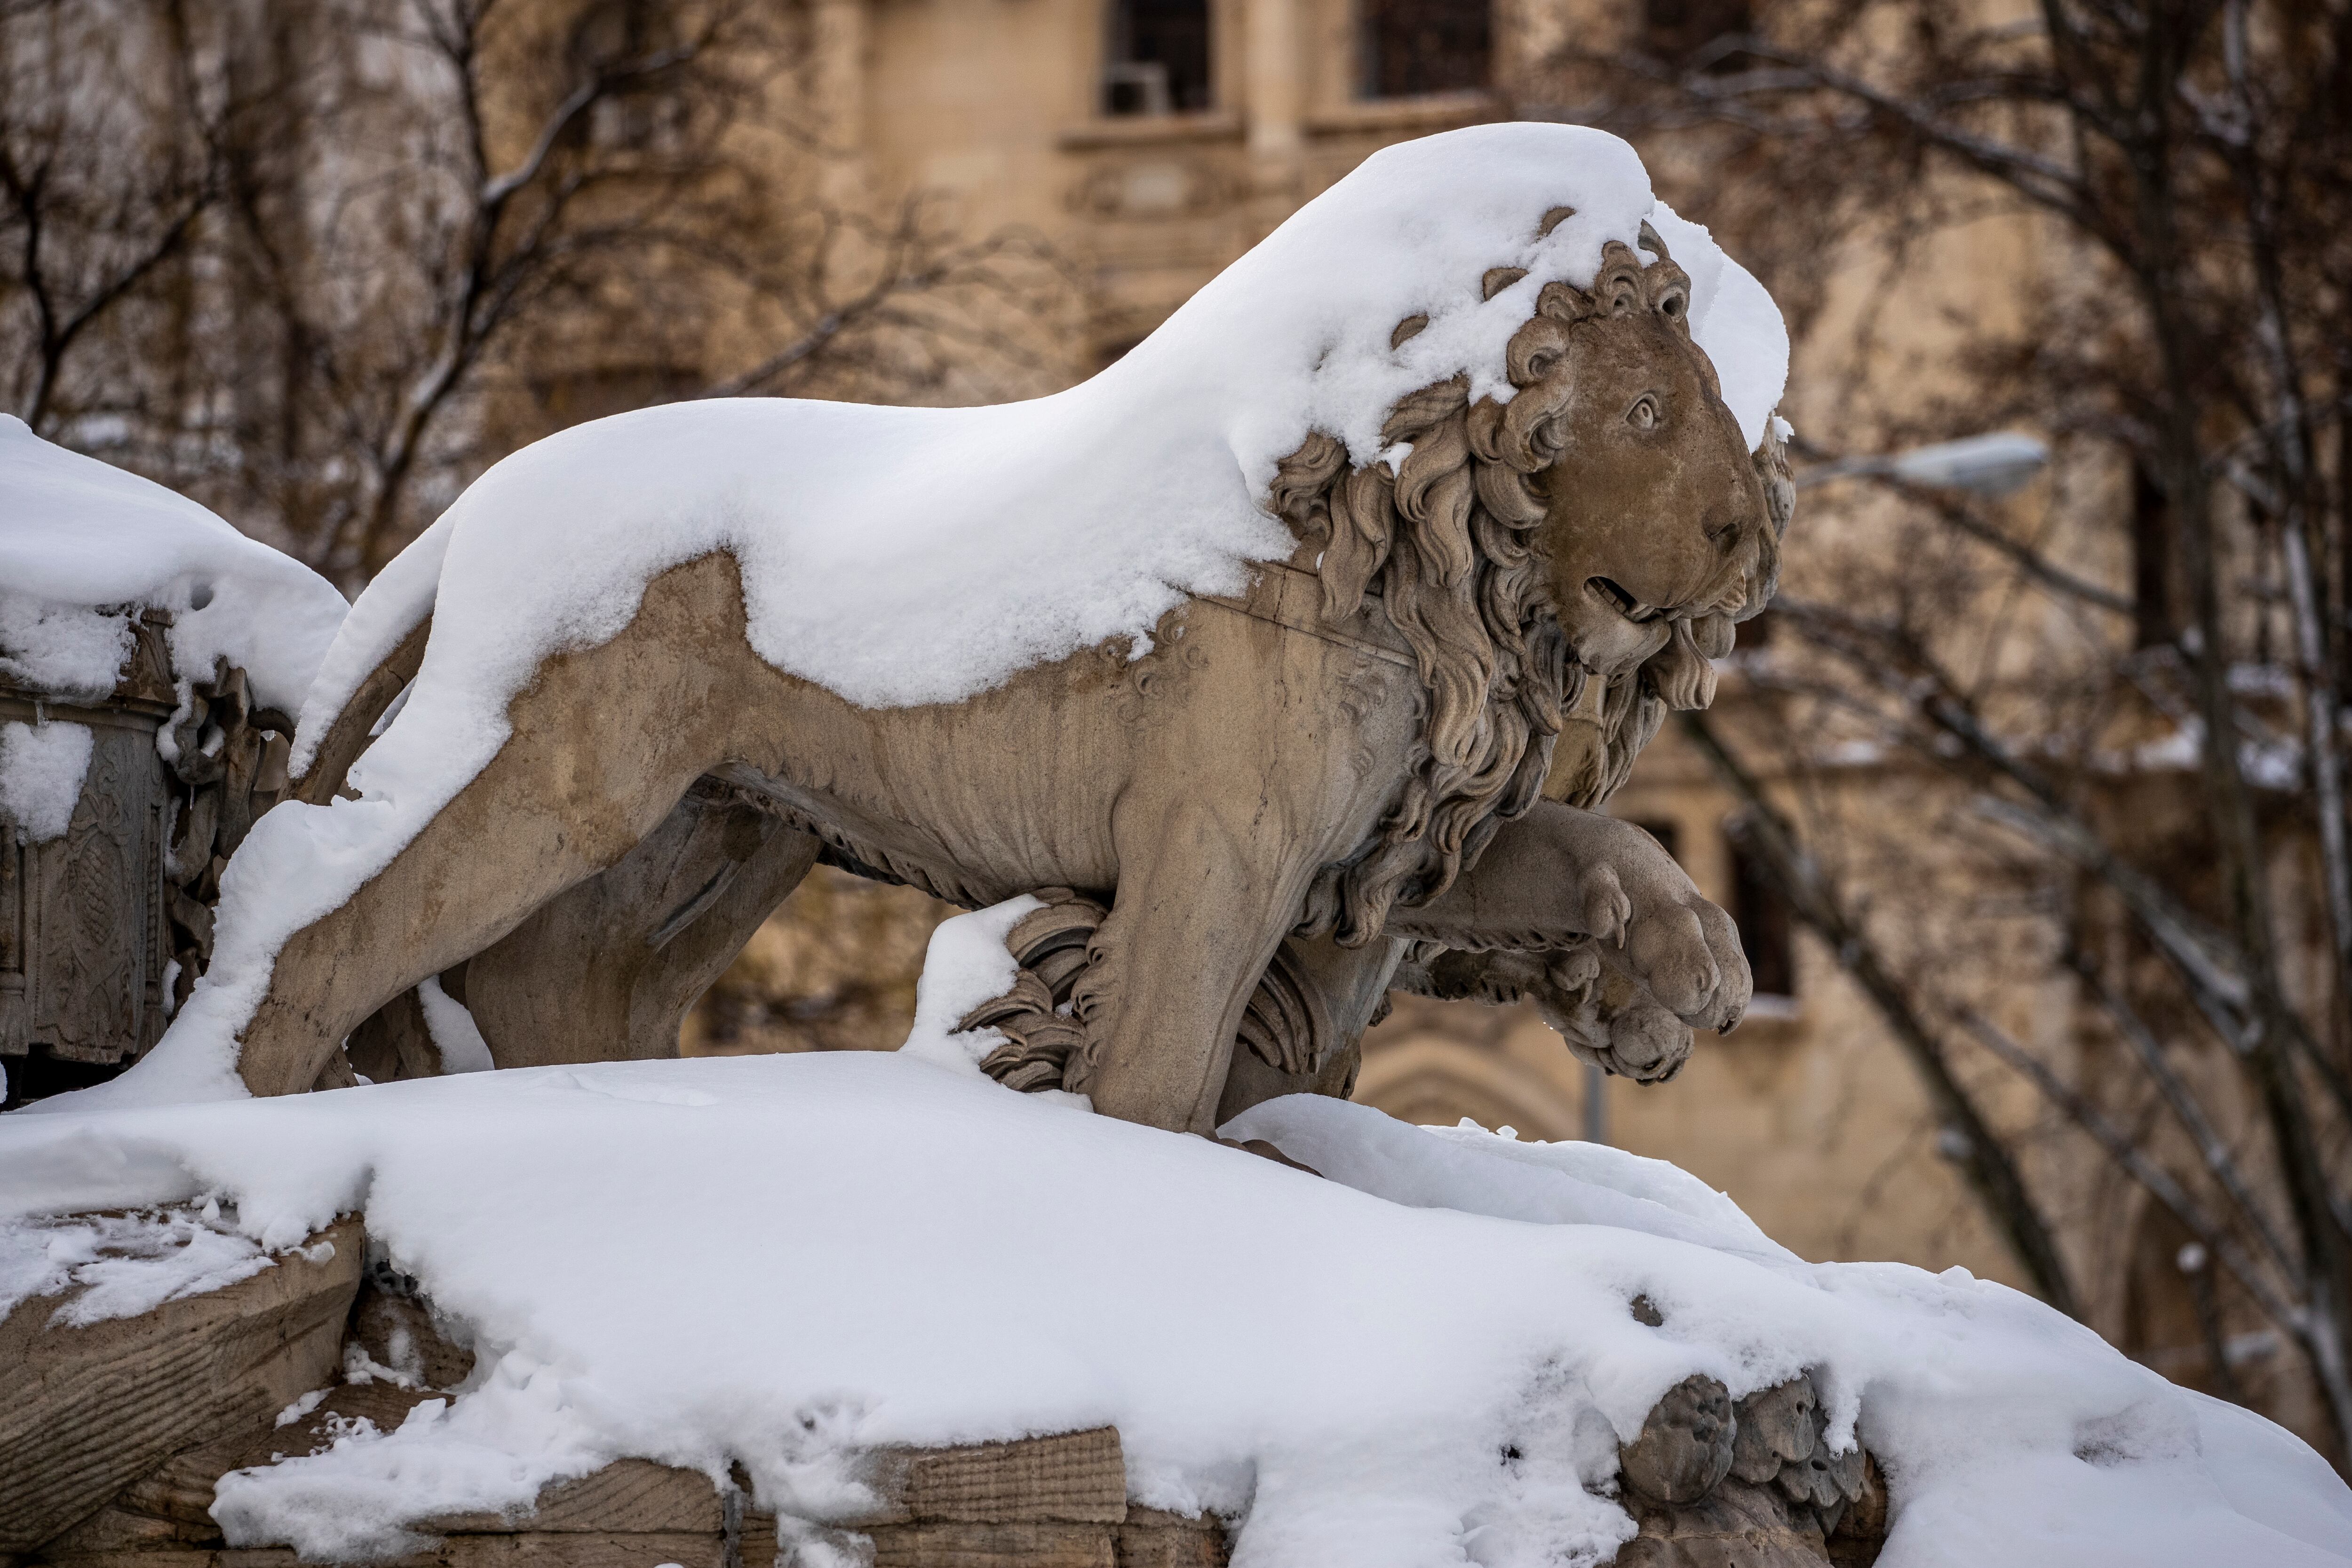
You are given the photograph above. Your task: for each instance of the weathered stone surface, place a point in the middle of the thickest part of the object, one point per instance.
(1776, 1429)
(1855, 1541)
(1151, 1539)
(181, 1488)
(1753, 1485)
(630, 1497)
(970, 1545)
(1736, 1525)
(1074, 1477)
(85, 1411)
(396, 1331)
(1686, 1445)
(536, 1549)
(1056, 1502)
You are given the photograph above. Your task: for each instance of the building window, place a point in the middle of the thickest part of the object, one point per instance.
(1159, 57)
(1762, 916)
(649, 116)
(1678, 30)
(1407, 48)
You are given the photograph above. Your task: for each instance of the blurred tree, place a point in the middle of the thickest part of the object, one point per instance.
(2093, 751)
(319, 263)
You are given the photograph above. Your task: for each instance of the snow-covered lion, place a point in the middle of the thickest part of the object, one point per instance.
(1264, 635)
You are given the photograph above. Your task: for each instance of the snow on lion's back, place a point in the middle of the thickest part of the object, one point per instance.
(913, 555)
(904, 555)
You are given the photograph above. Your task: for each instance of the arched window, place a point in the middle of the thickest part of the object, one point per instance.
(1157, 58)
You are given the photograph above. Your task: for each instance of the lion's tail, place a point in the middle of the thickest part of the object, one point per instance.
(373, 658)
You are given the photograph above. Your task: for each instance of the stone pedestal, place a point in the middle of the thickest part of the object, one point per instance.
(84, 946)
(112, 1437)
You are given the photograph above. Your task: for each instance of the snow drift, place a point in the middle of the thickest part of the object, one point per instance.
(1429, 1359)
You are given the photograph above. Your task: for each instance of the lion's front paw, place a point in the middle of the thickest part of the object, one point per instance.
(1608, 1019)
(1686, 953)
(1683, 949)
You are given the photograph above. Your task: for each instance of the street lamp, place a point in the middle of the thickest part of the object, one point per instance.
(1990, 465)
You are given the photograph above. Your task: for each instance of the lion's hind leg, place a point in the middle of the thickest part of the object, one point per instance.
(603, 743)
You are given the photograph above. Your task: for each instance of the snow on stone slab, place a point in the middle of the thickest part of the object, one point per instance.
(121, 1265)
(41, 772)
(901, 556)
(82, 541)
(784, 1260)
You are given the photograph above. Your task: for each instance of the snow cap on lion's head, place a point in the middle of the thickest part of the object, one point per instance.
(1297, 331)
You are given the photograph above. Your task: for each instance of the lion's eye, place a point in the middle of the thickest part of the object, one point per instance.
(1643, 415)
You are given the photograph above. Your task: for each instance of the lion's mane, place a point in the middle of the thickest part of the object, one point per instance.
(1442, 538)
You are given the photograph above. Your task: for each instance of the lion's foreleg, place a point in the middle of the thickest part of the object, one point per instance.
(1560, 877)
(1202, 902)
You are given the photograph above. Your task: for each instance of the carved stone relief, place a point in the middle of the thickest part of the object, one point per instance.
(104, 930)
(1712, 1482)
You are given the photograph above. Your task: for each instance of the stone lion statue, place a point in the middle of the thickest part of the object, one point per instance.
(1305, 782)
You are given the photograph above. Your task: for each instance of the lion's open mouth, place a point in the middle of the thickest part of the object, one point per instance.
(1612, 594)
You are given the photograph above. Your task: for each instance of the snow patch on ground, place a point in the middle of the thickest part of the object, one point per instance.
(41, 770)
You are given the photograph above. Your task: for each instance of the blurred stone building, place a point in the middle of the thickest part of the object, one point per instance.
(1152, 142)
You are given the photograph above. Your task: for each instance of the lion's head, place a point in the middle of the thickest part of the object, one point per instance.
(1608, 521)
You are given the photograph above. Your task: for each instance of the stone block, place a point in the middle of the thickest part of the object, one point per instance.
(632, 1497)
(1078, 1478)
(971, 1545)
(1151, 1539)
(86, 1411)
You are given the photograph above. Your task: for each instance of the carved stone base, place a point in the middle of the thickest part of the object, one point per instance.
(1750, 1485)
(113, 1437)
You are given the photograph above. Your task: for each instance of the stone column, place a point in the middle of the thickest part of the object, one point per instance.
(1273, 105)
